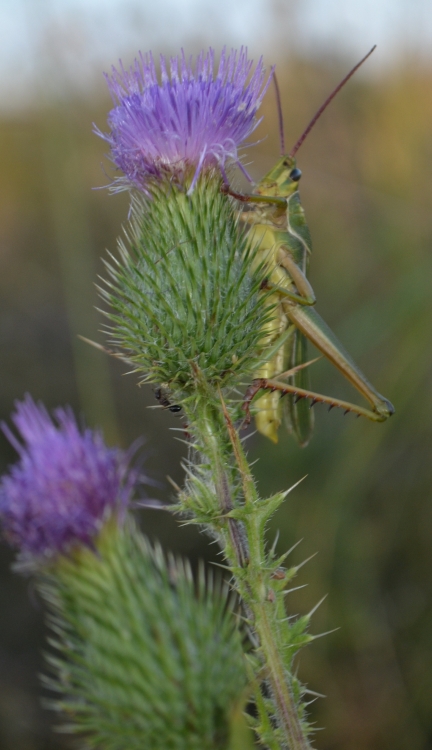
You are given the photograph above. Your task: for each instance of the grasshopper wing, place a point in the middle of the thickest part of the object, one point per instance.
(299, 417)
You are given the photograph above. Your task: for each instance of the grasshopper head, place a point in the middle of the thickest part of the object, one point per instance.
(282, 180)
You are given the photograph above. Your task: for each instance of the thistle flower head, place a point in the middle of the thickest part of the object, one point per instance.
(65, 484)
(146, 656)
(190, 120)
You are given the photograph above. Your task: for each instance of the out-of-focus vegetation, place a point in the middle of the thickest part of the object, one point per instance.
(365, 505)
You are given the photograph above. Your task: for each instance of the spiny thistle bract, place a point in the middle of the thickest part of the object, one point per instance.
(185, 297)
(146, 658)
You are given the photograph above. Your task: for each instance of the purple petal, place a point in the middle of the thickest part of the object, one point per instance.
(66, 482)
(192, 117)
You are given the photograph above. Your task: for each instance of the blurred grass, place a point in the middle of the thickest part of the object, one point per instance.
(365, 504)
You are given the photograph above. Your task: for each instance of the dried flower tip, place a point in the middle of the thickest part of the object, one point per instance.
(191, 120)
(66, 482)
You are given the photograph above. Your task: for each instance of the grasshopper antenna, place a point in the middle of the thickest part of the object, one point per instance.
(327, 102)
(280, 115)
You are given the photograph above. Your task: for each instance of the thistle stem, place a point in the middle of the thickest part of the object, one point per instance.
(244, 547)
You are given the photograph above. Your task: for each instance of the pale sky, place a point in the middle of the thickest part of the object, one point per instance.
(66, 43)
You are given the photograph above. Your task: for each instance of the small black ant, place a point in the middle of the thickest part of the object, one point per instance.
(165, 402)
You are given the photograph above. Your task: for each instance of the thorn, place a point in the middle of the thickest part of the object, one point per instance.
(283, 557)
(358, 415)
(306, 561)
(295, 588)
(347, 411)
(273, 547)
(152, 504)
(306, 704)
(294, 545)
(332, 406)
(298, 398)
(287, 492)
(247, 437)
(184, 442)
(173, 484)
(306, 691)
(219, 565)
(314, 609)
(328, 632)
(293, 370)
(313, 402)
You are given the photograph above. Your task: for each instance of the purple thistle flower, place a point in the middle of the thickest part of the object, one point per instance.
(64, 486)
(190, 121)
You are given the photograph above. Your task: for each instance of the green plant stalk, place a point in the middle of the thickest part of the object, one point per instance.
(190, 312)
(240, 527)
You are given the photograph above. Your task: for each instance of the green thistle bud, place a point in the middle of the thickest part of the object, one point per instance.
(147, 659)
(185, 297)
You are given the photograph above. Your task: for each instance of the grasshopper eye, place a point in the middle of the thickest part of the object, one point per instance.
(295, 174)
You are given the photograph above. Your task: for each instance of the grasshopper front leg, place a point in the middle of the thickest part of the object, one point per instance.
(283, 262)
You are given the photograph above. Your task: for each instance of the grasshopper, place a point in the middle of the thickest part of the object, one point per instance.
(280, 232)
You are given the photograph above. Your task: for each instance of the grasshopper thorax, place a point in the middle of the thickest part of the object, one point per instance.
(282, 180)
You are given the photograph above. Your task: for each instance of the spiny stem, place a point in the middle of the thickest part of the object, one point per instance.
(264, 623)
(243, 540)
(236, 530)
(238, 517)
(248, 483)
(238, 541)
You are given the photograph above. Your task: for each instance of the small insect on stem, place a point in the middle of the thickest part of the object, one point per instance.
(165, 402)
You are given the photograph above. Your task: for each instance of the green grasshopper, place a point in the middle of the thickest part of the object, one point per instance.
(278, 227)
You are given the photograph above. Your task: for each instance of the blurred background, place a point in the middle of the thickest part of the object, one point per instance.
(365, 505)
